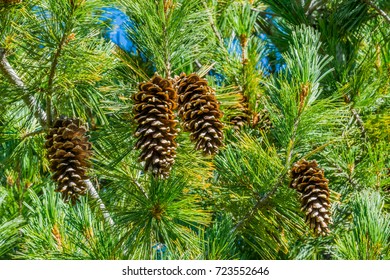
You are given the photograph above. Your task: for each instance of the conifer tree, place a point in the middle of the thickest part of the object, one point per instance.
(251, 129)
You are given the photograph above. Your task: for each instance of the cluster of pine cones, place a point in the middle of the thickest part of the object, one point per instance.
(155, 103)
(69, 149)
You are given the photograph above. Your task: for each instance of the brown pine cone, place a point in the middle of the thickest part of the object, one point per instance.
(262, 121)
(68, 151)
(154, 105)
(199, 110)
(243, 116)
(308, 179)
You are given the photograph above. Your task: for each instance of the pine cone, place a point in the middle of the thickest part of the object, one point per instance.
(154, 105)
(243, 118)
(262, 120)
(199, 110)
(308, 179)
(68, 151)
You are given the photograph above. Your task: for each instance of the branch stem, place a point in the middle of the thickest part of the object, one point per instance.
(28, 99)
(167, 56)
(357, 118)
(260, 202)
(379, 10)
(41, 116)
(213, 26)
(94, 194)
(264, 199)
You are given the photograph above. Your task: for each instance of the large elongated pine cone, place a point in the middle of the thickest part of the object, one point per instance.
(199, 110)
(308, 179)
(154, 105)
(262, 121)
(68, 151)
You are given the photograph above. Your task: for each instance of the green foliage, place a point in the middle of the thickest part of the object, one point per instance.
(369, 235)
(302, 121)
(10, 223)
(172, 34)
(160, 212)
(328, 100)
(251, 173)
(9, 235)
(56, 230)
(219, 241)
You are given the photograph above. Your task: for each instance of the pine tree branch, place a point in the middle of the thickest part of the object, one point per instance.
(260, 202)
(290, 147)
(313, 6)
(167, 56)
(33, 133)
(213, 26)
(41, 116)
(244, 49)
(244, 62)
(53, 67)
(140, 188)
(28, 99)
(354, 184)
(379, 10)
(94, 194)
(357, 117)
(360, 123)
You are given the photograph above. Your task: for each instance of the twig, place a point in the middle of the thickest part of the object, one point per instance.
(51, 78)
(33, 133)
(357, 117)
(167, 55)
(292, 142)
(140, 188)
(313, 7)
(379, 10)
(359, 122)
(244, 49)
(260, 202)
(94, 194)
(28, 99)
(213, 26)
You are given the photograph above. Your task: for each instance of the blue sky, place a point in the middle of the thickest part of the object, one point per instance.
(120, 21)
